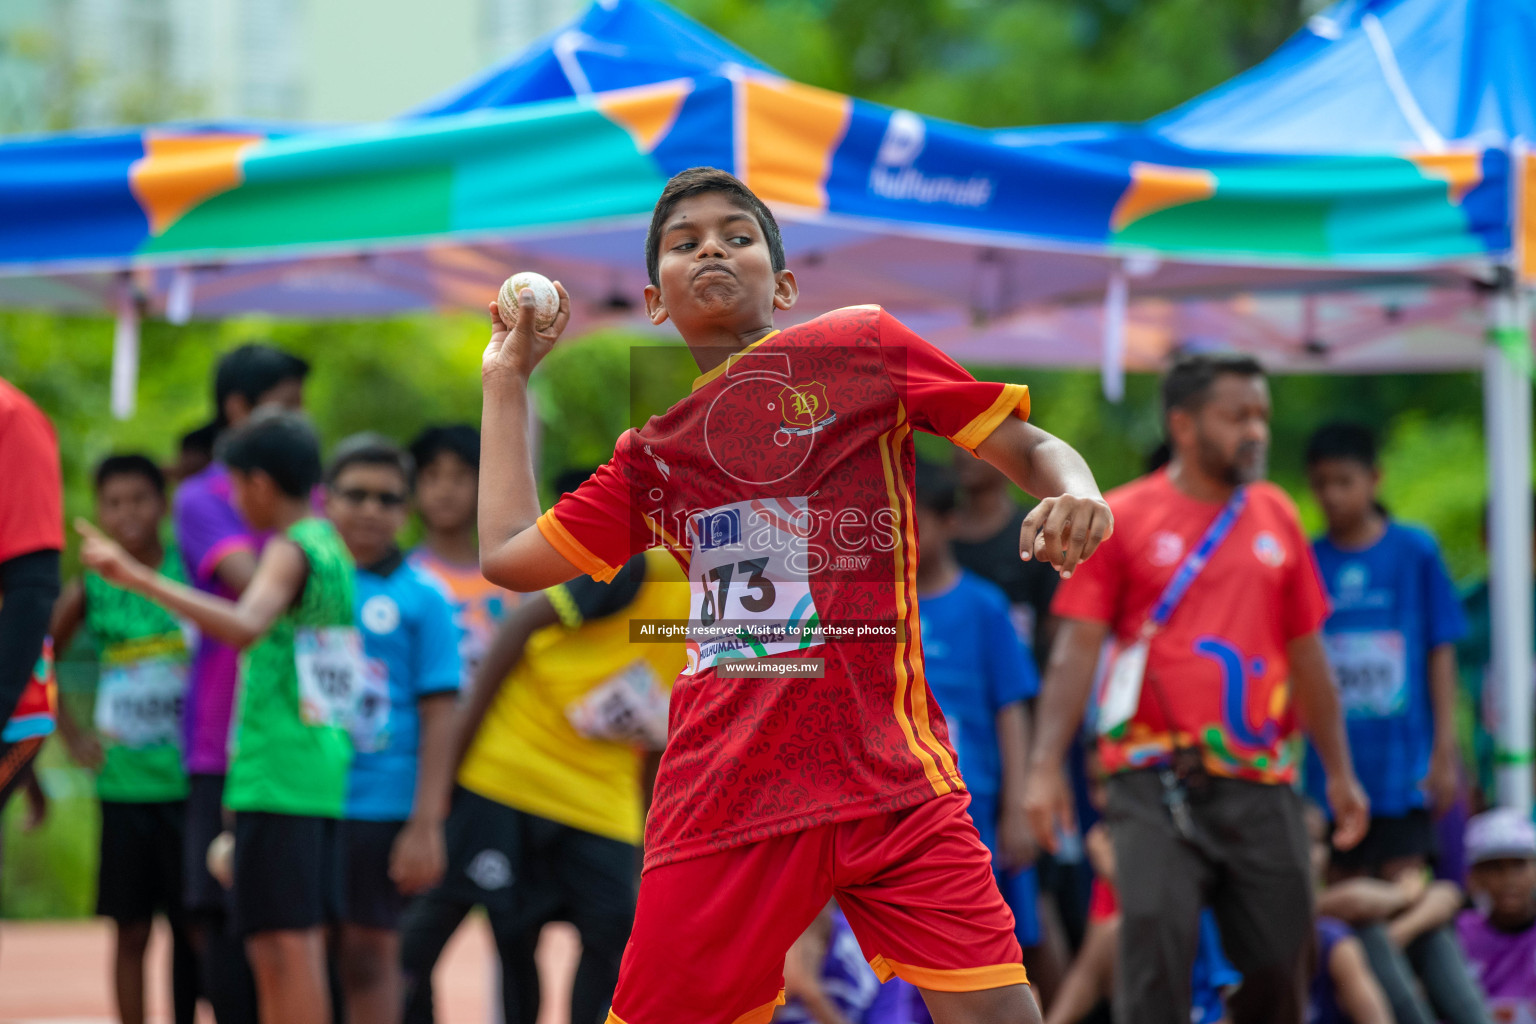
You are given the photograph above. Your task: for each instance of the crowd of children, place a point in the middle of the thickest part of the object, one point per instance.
(313, 863)
(316, 752)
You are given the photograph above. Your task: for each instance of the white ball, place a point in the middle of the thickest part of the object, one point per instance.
(546, 301)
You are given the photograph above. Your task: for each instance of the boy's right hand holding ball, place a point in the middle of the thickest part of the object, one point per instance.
(515, 349)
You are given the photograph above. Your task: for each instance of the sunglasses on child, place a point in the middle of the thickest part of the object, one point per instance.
(360, 495)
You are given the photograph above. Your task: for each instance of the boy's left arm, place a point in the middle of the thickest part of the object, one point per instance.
(419, 856)
(1444, 778)
(1072, 518)
(1015, 840)
(1445, 625)
(279, 580)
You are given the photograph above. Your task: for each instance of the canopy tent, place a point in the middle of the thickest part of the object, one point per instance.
(553, 161)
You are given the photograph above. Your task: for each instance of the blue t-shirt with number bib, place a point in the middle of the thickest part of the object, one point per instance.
(1393, 603)
(411, 645)
(975, 665)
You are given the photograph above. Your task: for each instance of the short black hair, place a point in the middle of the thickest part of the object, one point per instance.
(369, 449)
(1188, 381)
(460, 440)
(938, 488)
(281, 444)
(250, 371)
(1342, 441)
(567, 480)
(200, 440)
(131, 464)
(698, 181)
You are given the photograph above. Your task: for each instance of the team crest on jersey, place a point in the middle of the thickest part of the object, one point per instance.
(1269, 550)
(805, 408)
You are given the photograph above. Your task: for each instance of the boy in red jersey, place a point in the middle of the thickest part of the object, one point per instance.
(806, 756)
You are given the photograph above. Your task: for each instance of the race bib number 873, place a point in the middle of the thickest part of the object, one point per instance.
(749, 576)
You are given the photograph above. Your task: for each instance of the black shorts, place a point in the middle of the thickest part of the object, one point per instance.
(1406, 835)
(140, 868)
(482, 837)
(201, 892)
(527, 870)
(369, 899)
(286, 872)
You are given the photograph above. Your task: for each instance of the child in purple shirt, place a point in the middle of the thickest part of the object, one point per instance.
(220, 551)
(1499, 937)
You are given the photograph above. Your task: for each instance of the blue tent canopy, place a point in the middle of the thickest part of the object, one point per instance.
(1378, 76)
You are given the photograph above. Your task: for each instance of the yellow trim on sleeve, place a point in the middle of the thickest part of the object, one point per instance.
(957, 979)
(1013, 401)
(565, 606)
(573, 550)
(709, 375)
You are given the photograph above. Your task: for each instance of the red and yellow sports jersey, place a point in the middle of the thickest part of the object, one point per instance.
(783, 485)
(31, 502)
(36, 711)
(1217, 673)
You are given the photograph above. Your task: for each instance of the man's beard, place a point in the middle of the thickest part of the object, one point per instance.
(1247, 464)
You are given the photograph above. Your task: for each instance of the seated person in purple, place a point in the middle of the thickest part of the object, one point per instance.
(1499, 937)
(220, 553)
(1344, 991)
(827, 980)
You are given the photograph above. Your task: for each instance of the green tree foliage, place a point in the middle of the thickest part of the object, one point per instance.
(998, 64)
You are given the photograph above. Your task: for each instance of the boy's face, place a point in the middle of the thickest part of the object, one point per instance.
(368, 505)
(285, 394)
(1510, 885)
(715, 269)
(256, 497)
(1345, 488)
(130, 509)
(447, 490)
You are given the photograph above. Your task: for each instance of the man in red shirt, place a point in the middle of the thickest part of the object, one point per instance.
(31, 537)
(1212, 597)
(806, 756)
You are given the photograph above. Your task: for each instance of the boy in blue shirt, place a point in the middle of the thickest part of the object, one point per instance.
(390, 836)
(1391, 640)
(981, 675)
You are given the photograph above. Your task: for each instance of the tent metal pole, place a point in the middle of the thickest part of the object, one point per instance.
(125, 352)
(1507, 425)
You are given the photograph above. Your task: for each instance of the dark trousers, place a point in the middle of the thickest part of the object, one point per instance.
(556, 873)
(1248, 861)
(1433, 959)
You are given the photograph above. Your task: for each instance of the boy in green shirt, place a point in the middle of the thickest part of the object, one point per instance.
(135, 748)
(301, 669)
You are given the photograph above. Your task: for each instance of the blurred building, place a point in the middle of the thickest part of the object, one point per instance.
(87, 63)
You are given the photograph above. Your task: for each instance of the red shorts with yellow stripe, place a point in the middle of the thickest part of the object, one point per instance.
(916, 885)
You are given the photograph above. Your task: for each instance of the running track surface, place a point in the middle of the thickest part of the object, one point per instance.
(57, 972)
